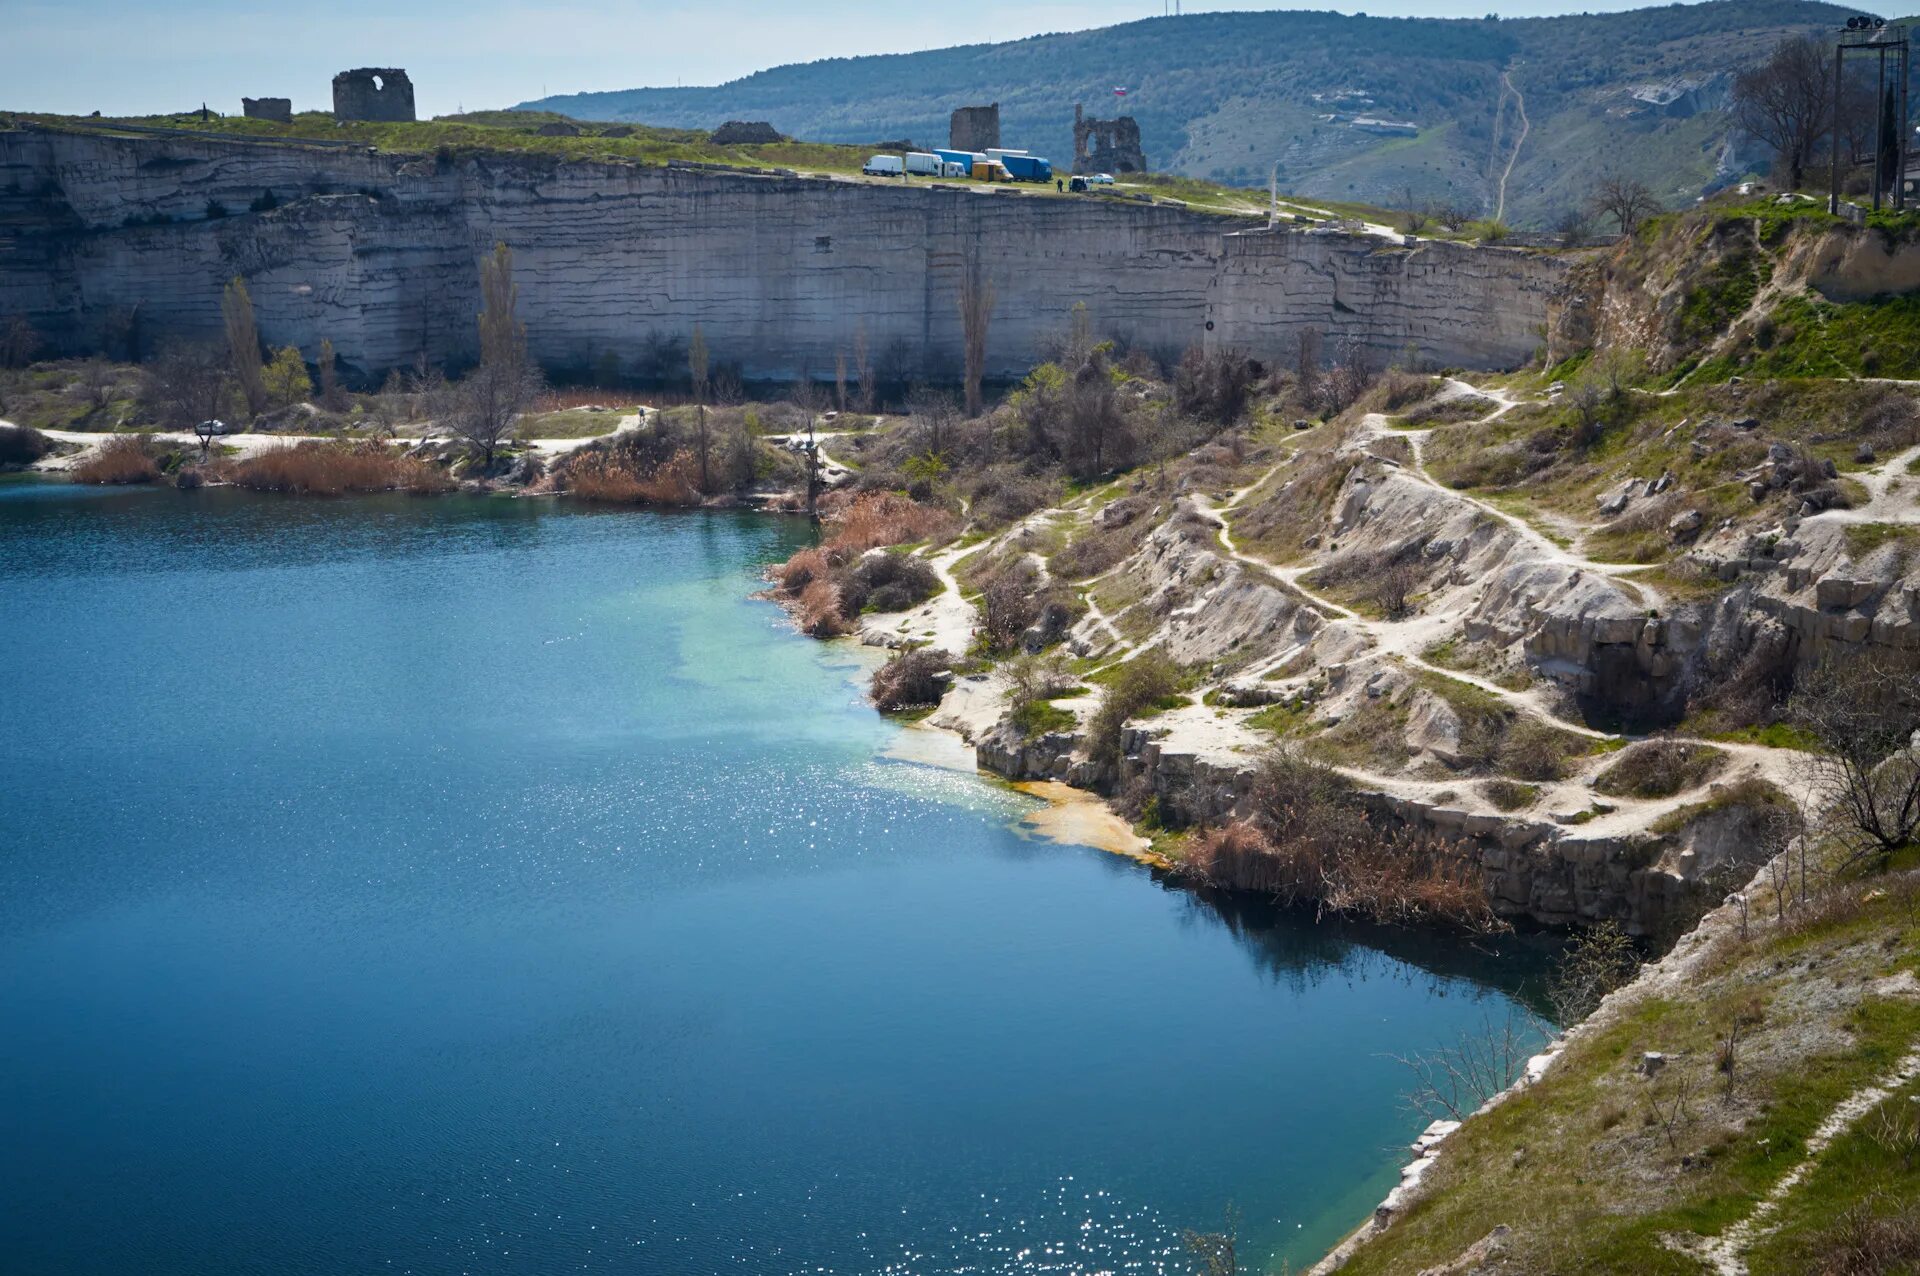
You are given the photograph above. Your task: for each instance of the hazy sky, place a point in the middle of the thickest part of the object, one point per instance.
(166, 55)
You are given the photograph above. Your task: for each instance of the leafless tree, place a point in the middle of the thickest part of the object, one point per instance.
(1669, 1104)
(1453, 1081)
(1349, 377)
(18, 342)
(938, 416)
(1307, 366)
(1786, 102)
(1863, 709)
(1413, 217)
(1393, 587)
(840, 380)
(188, 387)
(97, 384)
(1625, 199)
(1587, 397)
(489, 400)
(243, 344)
(331, 396)
(862, 369)
(697, 364)
(1573, 226)
(976, 315)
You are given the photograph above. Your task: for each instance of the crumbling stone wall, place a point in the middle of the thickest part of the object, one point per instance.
(373, 93)
(267, 108)
(1106, 146)
(974, 128)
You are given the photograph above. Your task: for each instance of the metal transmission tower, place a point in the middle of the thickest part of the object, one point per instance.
(1868, 35)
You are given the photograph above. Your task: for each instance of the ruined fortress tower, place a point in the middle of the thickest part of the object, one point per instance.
(1106, 146)
(974, 128)
(384, 94)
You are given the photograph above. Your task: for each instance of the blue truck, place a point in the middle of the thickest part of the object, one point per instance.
(1027, 168)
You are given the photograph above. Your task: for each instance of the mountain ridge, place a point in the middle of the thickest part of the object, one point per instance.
(1231, 95)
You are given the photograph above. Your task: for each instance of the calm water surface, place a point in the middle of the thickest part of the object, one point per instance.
(459, 885)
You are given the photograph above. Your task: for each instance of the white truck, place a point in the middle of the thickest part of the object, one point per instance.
(924, 163)
(883, 166)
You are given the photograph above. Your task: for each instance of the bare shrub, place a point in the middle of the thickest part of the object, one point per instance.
(1008, 605)
(1452, 1082)
(1538, 751)
(818, 610)
(874, 519)
(122, 459)
(1214, 385)
(1660, 768)
(333, 469)
(911, 679)
(1139, 683)
(22, 445)
(1597, 962)
(606, 476)
(888, 582)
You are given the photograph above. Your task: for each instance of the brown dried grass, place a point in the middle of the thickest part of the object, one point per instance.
(818, 610)
(602, 476)
(873, 519)
(334, 469)
(124, 458)
(1311, 841)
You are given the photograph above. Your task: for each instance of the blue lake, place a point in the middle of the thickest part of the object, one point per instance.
(462, 885)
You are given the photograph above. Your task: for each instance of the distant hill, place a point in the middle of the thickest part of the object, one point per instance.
(1228, 95)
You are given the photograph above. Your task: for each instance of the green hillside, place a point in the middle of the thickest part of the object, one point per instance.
(1227, 96)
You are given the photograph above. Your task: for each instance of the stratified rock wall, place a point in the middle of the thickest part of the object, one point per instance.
(379, 253)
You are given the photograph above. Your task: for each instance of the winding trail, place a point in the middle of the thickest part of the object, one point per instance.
(1406, 640)
(1526, 127)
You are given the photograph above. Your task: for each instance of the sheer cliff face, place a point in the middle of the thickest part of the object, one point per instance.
(380, 252)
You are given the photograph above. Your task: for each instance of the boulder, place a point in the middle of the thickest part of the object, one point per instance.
(1685, 524)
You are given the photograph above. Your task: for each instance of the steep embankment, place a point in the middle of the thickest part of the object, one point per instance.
(784, 274)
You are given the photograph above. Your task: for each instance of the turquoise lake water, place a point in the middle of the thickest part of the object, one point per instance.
(481, 886)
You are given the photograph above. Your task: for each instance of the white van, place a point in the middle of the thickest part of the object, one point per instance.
(884, 166)
(922, 162)
(954, 168)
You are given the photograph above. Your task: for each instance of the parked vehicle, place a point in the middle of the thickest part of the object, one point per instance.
(987, 170)
(1077, 184)
(884, 166)
(924, 163)
(1026, 168)
(1101, 179)
(966, 159)
(952, 168)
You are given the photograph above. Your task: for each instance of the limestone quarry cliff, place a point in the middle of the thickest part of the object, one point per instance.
(378, 252)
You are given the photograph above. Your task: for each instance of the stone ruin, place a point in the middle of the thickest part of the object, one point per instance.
(382, 94)
(746, 133)
(279, 109)
(974, 128)
(1106, 146)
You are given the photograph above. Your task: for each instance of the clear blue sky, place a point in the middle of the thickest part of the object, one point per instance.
(165, 55)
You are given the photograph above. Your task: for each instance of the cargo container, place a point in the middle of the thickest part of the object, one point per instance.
(1001, 152)
(1027, 168)
(966, 159)
(923, 162)
(883, 166)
